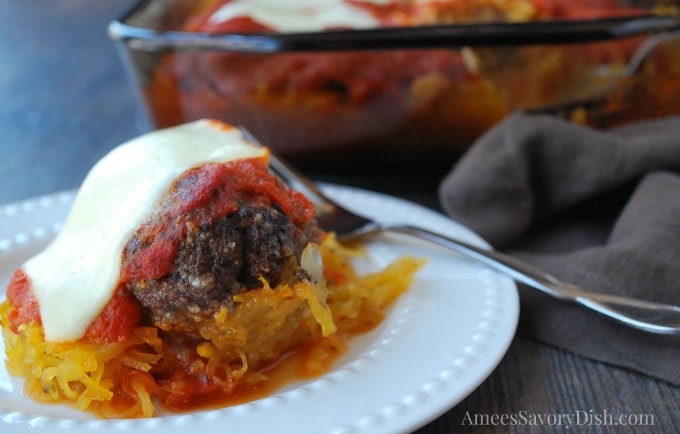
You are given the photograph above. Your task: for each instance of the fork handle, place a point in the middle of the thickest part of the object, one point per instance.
(643, 315)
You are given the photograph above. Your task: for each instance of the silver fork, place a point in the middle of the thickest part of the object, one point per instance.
(332, 217)
(597, 99)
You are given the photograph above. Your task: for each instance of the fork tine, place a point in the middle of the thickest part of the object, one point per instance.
(650, 317)
(293, 177)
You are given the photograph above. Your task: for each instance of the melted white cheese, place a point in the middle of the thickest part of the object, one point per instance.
(76, 275)
(299, 15)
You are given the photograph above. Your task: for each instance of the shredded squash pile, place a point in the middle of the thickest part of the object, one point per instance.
(125, 378)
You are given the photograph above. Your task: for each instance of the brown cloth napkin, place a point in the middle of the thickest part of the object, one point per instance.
(600, 209)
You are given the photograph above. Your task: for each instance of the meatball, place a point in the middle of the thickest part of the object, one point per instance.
(221, 259)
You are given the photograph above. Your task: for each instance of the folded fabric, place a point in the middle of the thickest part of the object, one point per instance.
(600, 209)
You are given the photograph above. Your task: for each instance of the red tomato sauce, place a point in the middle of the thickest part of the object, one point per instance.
(199, 196)
(26, 307)
(120, 315)
(343, 102)
(183, 392)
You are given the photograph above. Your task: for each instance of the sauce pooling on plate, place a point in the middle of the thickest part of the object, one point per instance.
(186, 273)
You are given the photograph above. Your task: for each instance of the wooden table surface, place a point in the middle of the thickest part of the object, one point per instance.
(65, 101)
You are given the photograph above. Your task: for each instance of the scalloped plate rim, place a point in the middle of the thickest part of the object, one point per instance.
(479, 333)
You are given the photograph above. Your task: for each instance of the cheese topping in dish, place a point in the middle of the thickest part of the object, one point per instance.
(81, 266)
(299, 15)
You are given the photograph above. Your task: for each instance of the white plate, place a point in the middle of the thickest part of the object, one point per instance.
(439, 342)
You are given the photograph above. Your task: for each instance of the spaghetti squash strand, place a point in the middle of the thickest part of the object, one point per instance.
(121, 379)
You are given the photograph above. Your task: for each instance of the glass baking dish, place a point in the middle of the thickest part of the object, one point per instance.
(412, 91)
